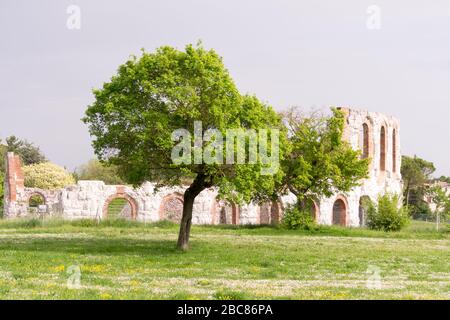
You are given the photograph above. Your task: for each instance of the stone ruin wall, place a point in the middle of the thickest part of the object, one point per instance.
(90, 199)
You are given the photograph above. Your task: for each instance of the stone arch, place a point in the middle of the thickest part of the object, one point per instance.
(226, 213)
(269, 212)
(36, 193)
(171, 207)
(340, 211)
(362, 211)
(40, 207)
(276, 211)
(315, 208)
(383, 146)
(131, 201)
(264, 212)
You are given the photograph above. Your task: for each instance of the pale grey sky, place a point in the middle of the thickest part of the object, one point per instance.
(306, 53)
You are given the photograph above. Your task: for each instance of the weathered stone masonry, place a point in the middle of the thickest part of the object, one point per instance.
(375, 134)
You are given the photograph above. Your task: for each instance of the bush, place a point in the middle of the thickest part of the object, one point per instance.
(294, 219)
(47, 175)
(420, 210)
(387, 215)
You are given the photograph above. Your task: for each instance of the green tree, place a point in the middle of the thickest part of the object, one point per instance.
(444, 179)
(135, 114)
(416, 172)
(96, 170)
(28, 152)
(320, 163)
(441, 200)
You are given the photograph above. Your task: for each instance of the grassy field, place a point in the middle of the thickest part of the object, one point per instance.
(126, 260)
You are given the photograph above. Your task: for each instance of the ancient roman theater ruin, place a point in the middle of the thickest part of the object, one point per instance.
(376, 135)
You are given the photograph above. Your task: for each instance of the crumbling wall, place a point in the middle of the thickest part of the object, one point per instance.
(90, 199)
(379, 181)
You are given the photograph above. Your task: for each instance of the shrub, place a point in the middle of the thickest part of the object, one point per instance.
(47, 175)
(387, 215)
(294, 219)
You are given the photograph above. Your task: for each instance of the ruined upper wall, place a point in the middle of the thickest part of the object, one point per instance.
(364, 131)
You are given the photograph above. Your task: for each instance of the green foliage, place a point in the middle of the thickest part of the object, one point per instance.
(416, 172)
(96, 170)
(134, 115)
(420, 210)
(115, 207)
(444, 179)
(28, 152)
(35, 200)
(294, 219)
(320, 163)
(438, 195)
(387, 215)
(47, 175)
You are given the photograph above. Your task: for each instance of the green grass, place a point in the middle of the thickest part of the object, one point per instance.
(115, 207)
(121, 259)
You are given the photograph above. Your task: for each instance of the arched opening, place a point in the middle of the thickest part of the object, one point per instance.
(394, 151)
(313, 208)
(37, 203)
(383, 149)
(228, 213)
(172, 208)
(120, 206)
(275, 212)
(364, 203)
(265, 212)
(269, 212)
(365, 148)
(339, 212)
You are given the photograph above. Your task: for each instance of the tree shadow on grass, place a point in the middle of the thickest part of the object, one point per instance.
(94, 246)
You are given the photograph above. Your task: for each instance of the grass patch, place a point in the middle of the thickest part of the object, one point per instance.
(121, 259)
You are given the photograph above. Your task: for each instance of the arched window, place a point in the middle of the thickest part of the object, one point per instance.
(364, 203)
(339, 212)
(394, 151)
(383, 149)
(228, 213)
(365, 149)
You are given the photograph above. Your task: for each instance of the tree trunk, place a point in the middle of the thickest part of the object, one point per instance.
(190, 194)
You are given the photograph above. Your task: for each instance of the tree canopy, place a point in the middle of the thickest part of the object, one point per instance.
(96, 170)
(28, 152)
(416, 173)
(320, 163)
(134, 117)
